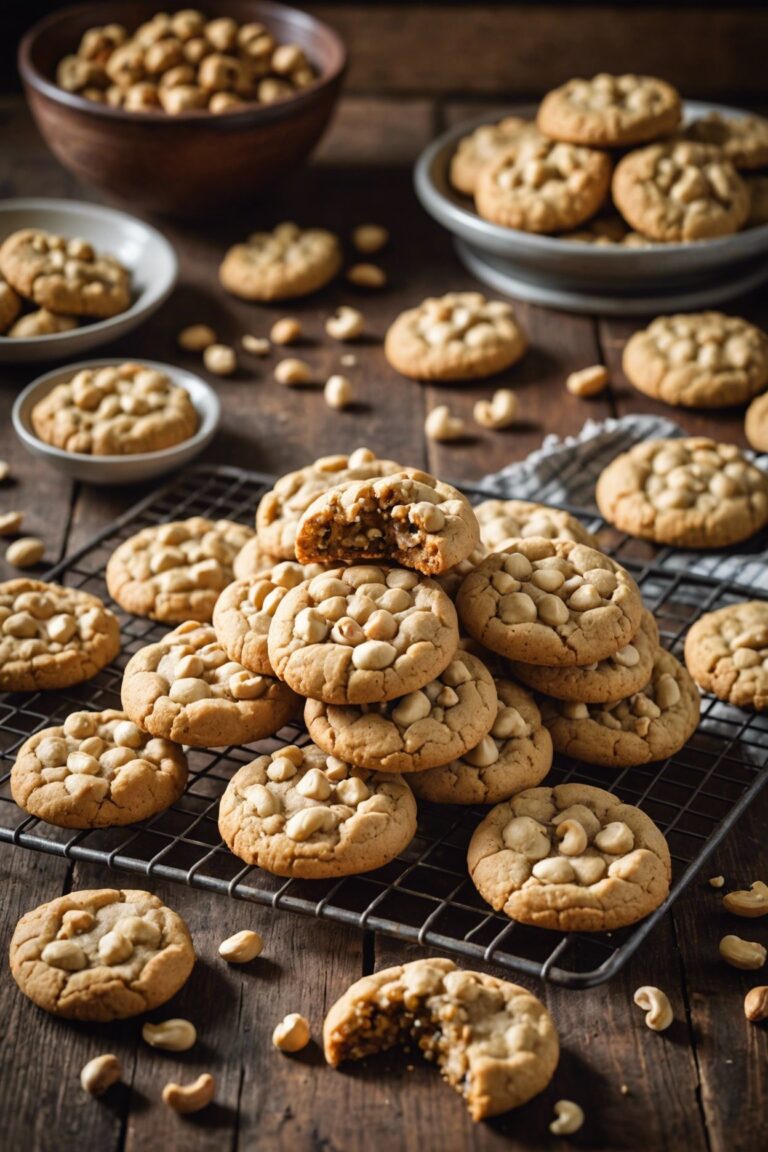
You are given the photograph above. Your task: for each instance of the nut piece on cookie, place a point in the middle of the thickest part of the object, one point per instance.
(282, 264)
(727, 654)
(480, 147)
(610, 111)
(493, 1041)
(409, 518)
(64, 275)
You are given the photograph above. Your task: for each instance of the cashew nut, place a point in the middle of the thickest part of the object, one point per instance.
(367, 276)
(756, 1003)
(569, 1117)
(292, 1033)
(587, 381)
(442, 425)
(196, 338)
(100, 1073)
(370, 238)
(751, 902)
(293, 372)
(174, 1035)
(573, 838)
(242, 947)
(286, 330)
(656, 1005)
(190, 1097)
(747, 954)
(716, 881)
(220, 359)
(337, 392)
(498, 412)
(256, 345)
(616, 839)
(347, 324)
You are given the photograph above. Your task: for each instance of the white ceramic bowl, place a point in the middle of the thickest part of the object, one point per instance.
(147, 254)
(117, 469)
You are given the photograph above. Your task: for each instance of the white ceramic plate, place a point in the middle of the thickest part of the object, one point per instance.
(142, 249)
(117, 469)
(584, 277)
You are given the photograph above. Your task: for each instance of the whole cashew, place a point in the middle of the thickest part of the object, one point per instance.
(747, 954)
(569, 1117)
(656, 1005)
(100, 1073)
(751, 902)
(174, 1035)
(572, 836)
(190, 1097)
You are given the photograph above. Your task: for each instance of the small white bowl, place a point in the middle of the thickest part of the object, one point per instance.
(143, 250)
(117, 469)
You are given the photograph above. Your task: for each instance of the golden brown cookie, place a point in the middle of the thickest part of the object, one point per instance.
(756, 423)
(10, 305)
(504, 520)
(282, 264)
(610, 111)
(252, 559)
(64, 275)
(727, 654)
(743, 139)
(479, 147)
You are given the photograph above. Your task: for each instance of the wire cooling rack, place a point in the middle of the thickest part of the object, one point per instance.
(425, 895)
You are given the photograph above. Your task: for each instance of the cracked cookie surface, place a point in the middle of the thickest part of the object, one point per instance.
(479, 147)
(727, 654)
(64, 275)
(743, 139)
(282, 264)
(502, 521)
(610, 111)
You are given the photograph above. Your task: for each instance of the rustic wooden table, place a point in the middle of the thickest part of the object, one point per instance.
(700, 1086)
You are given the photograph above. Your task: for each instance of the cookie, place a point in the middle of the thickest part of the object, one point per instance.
(280, 509)
(433, 725)
(572, 858)
(299, 812)
(97, 770)
(101, 954)
(362, 635)
(614, 678)
(679, 191)
(743, 139)
(492, 1040)
(41, 323)
(606, 232)
(174, 572)
(409, 518)
(451, 580)
(515, 754)
(186, 689)
(610, 111)
(245, 608)
(115, 411)
(543, 186)
(756, 423)
(480, 146)
(550, 602)
(252, 559)
(758, 200)
(52, 637)
(698, 360)
(63, 275)
(459, 336)
(504, 520)
(282, 264)
(10, 305)
(727, 654)
(647, 726)
(693, 493)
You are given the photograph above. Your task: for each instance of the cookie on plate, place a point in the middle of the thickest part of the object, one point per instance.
(515, 754)
(51, 636)
(692, 492)
(174, 572)
(409, 518)
(97, 770)
(282, 264)
(647, 726)
(572, 858)
(186, 689)
(40, 323)
(698, 360)
(480, 146)
(727, 654)
(299, 812)
(245, 608)
(431, 726)
(504, 520)
(459, 336)
(543, 186)
(678, 191)
(743, 139)
(65, 276)
(551, 602)
(492, 1040)
(756, 423)
(10, 305)
(101, 954)
(614, 678)
(610, 111)
(362, 635)
(280, 509)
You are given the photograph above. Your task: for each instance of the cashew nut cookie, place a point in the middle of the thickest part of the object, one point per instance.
(693, 493)
(492, 1040)
(756, 423)
(610, 111)
(40, 323)
(502, 521)
(10, 305)
(252, 559)
(481, 146)
(544, 186)
(362, 635)
(727, 654)
(552, 602)
(101, 954)
(175, 572)
(299, 812)
(408, 518)
(679, 190)
(603, 681)
(185, 688)
(743, 139)
(645, 727)
(515, 754)
(572, 858)
(459, 336)
(97, 770)
(244, 611)
(281, 509)
(64, 275)
(451, 580)
(431, 726)
(282, 264)
(699, 360)
(51, 636)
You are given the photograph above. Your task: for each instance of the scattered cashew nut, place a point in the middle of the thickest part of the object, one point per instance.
(286, 330)
(370, 238)
(756, 1004)
(569, 1117)
(175, 1035)
(242, 947)
(746, 954)
(499, 412)
(346, 324)
(292, 1033)
(293, 372)
(100, 1074)
(587, 381)
(442, 425)
(186, 1098)
(196, 338)
(656, 1005)
(367, 276)
(220, 359)
(750, 903)
(338, 391)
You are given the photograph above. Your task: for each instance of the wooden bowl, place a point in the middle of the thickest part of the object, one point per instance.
(195, 163)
